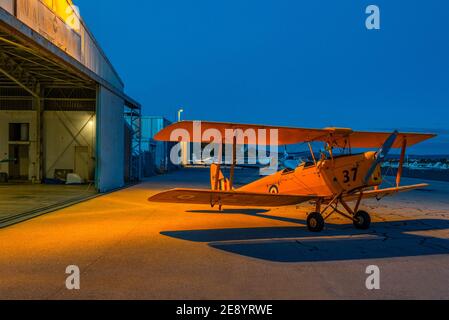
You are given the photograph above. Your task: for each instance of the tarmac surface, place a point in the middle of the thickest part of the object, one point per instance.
(21, 199)
(128, 248)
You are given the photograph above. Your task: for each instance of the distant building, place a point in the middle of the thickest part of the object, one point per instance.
(62, 104)
(156, 154)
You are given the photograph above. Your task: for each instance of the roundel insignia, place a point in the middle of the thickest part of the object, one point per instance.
(274, 189)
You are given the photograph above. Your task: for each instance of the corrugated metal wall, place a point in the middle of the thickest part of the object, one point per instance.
(152, 125)
(43, 19)
(60, 23)
(159, 150)
(110, 144)
(48, 18)
(8, 5)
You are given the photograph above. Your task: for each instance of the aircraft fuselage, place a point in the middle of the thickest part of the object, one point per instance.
(327, 178)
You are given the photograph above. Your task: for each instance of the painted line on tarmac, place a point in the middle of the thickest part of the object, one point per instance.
(304, 239)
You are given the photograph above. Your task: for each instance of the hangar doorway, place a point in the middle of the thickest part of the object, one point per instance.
(19, 163)
(62, 113)
(19, 151)
(48, 130)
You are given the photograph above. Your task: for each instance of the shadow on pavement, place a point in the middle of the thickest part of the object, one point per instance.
(250, 212)
(336, 243)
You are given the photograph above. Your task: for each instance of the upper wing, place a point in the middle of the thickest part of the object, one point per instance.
(384, 192)
(363, 139)
(337, 136)
(197, 129)
(231, 198)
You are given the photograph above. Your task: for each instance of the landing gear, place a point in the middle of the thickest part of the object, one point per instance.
(362, 220)
(315, 222)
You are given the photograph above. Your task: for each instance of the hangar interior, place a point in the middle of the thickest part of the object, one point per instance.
(63, 109)
(47, 118)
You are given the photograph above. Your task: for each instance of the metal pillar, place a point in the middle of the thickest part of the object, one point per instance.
(134, 118)
(38, 105)
(97, 138)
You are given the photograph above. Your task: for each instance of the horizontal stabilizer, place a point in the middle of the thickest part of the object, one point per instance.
(231, 198)
(384, 192)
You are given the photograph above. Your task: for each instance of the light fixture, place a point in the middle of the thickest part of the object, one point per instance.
(180, 111)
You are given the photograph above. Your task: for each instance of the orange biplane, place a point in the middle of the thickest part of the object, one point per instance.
(330, 183)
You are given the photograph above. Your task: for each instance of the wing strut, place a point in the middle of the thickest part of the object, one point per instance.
(234, 162)
(218, 170)
(313, 155)
(401, 163)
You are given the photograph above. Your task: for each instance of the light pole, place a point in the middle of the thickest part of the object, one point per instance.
(184, 145)
(180, 111)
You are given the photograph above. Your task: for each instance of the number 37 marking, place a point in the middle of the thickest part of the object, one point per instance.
(347, 175)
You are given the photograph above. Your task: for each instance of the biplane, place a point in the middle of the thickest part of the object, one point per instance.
(334, 183)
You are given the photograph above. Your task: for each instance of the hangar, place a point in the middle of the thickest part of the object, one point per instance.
(63, 109)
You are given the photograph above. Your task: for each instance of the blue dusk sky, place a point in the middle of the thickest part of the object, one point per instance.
(283, 62)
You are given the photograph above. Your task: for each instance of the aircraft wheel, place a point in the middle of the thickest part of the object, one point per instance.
(362, 220)
(315, 222)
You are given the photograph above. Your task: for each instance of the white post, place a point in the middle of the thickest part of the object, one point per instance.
(184, 145)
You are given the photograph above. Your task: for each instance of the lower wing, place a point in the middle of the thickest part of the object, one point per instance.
(231, 198)
(381, 193)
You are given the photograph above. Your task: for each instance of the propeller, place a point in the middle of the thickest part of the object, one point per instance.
(381, 155)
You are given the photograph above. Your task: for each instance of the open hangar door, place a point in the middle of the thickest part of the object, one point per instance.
(48, 128)
(57, 117)
(119, 156)
(63, 112)
(47, 116)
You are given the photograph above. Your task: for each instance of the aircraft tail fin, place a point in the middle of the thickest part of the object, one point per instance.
(218, 181)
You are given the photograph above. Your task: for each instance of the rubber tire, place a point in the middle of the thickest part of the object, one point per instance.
(315, 222)
(362, 220)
